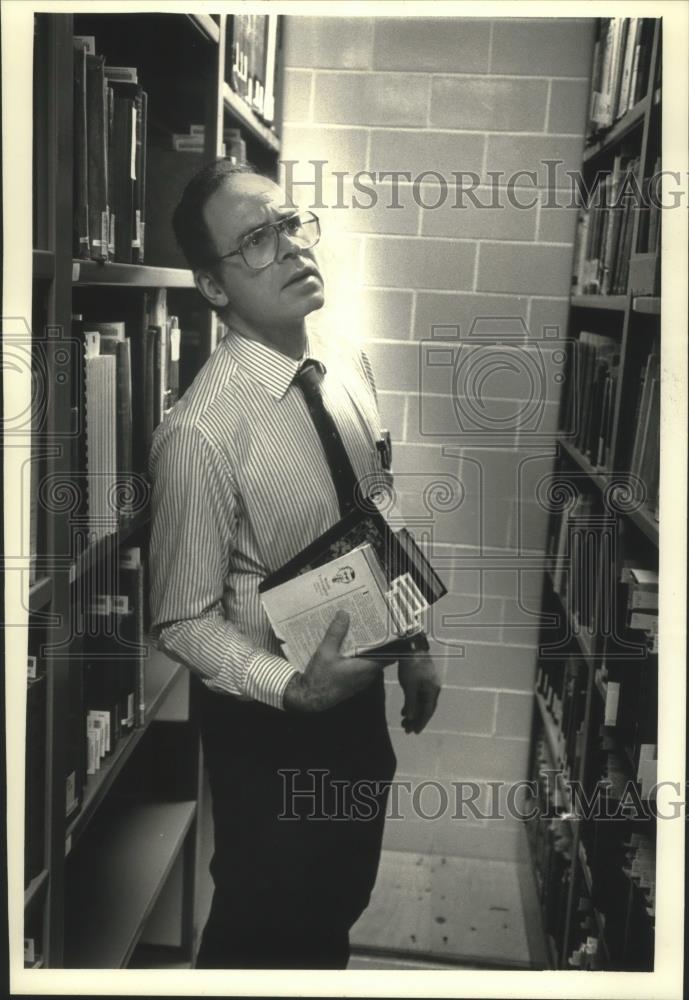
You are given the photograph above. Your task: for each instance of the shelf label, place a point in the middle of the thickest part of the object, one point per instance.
(76, 270)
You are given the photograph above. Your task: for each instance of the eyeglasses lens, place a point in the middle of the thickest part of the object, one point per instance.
(260, 247)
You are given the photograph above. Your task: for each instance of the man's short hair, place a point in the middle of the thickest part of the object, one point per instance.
(191, 231)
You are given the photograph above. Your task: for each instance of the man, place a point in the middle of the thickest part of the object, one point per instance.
(241, 483)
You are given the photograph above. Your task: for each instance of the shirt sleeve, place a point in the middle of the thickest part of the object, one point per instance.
(193, 533)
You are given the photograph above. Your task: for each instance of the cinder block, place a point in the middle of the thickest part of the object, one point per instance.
(297, 95)
(418, 151)
(414, 836)
(514, 714)
(549, 47)
(506, 222)
(386, 314)
(339, 42)
(569, 100)
(371, 98)
(461, 710)
(420, 263)
(340, 148)
(396, 365)
(415, 465)
(477, 757)
(493, 665)
(516, 583)
(550, 313)
(490, 472)
(544, 270)
(417, 753)
(371, 207)
(463, 310)
(531, 525)
(557, 224)
(493, 841)
(433, 44)
(454, 627)
(509, 155)
(488, 104)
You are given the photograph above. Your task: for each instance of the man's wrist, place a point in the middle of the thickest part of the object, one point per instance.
(293, 696)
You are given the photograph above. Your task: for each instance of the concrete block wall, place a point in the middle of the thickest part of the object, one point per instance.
(472, 406)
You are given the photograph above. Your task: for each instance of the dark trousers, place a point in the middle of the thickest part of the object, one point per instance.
(293, 872)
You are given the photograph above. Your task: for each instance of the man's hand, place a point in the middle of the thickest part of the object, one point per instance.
(330, 677)
(419, 681)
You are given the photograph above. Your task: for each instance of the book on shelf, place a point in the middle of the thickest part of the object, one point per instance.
(621, 62)
(360, 565)
(109, 148)
(603, 244)
(644, 461)
(252, 59)
(591, 395)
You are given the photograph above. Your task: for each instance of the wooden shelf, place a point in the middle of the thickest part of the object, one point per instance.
(206, 26)
(121, 873)
(160, 675)
(648, 305)
(35, 887)
(238, 109)
(93, 272)
(631, 120)
(609, 303)
(44, 264)
(40, 593)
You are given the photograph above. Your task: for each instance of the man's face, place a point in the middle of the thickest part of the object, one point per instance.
(282, 293)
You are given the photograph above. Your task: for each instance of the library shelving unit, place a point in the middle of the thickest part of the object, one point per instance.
(594, 739)
(111, 863)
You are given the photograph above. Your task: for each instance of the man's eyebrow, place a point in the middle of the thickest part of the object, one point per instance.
(281, 216)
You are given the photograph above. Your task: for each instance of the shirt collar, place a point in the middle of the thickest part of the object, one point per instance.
(273, 370)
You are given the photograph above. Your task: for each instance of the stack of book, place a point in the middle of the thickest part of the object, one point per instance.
(106, 692)
(621, 61)
(110, 125)
(252, 61)
(591, 394)
(603, 244)
(642, 602)
(379, 576)
(127, 379)
(645, 454)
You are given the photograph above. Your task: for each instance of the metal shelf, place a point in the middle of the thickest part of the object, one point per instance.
(121, 874)
(633, 119)
(93, 272)
(648, 305)
(40, 593)
(610, 303)
(239, 110)
(206, 26)
(160, 676)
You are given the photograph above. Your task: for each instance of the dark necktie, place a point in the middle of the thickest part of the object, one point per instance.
(308, 378)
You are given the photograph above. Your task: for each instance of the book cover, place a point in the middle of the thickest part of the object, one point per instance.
(97, 146)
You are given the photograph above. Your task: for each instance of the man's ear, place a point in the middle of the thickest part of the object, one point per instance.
(210, 288)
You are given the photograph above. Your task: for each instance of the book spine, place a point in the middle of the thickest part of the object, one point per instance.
(99, 218)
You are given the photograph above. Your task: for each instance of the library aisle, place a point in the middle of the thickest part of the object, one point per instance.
(484, 194)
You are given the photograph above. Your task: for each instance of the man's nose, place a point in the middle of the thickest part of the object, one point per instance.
(287, 245)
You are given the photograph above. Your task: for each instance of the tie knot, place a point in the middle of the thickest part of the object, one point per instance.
(310, 373)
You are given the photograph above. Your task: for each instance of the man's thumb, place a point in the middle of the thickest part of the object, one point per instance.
(337, 630)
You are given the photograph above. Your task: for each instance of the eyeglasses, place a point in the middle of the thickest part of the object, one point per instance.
(259, 248)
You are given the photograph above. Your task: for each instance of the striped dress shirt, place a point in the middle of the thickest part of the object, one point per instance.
(240, 485)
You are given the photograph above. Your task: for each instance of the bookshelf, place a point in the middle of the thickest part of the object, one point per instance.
(596, 689)
(104, 847)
